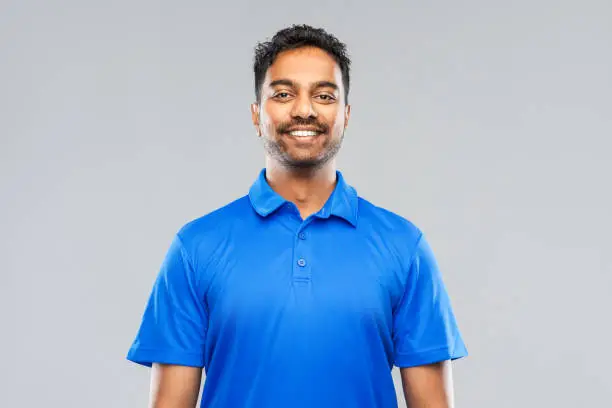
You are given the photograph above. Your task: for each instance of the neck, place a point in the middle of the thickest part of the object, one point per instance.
(308, 189)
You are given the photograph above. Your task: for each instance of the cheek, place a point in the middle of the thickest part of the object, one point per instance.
(271, 127)
(271, 118)
(339, 121)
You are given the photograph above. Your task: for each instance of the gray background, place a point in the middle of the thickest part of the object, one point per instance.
(487, 123)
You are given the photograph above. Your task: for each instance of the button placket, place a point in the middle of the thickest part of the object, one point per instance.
(301, 261)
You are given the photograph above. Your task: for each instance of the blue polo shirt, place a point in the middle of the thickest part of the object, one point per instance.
(285, 312)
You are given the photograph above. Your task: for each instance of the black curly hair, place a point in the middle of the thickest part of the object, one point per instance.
(296, 36)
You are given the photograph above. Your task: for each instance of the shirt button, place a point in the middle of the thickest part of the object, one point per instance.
(301, 262)
(301, 235)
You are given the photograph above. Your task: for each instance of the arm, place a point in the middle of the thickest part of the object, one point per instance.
(172, 334)
(174, 386)
(428, 386)
(426, 334)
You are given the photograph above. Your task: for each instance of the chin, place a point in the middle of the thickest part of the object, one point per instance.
(312, 162)
(299, 160)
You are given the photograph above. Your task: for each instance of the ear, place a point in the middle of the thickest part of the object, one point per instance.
(347, 115)
(255, 117)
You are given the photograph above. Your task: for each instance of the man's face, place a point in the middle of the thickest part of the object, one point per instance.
(302, 114)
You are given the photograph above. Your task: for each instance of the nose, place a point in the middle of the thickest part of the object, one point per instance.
(303, 107)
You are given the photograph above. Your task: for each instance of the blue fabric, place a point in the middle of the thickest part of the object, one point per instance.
(284, 312)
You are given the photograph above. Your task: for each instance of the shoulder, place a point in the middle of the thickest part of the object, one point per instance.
(386, 221)
(205, 233)
(396, 229)
(219, 218)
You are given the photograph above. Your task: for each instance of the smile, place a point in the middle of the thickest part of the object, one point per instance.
(303, 133)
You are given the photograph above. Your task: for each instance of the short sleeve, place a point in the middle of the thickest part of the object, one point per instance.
(425, 329)
(174, 323)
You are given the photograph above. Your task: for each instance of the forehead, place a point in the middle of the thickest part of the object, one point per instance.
(305, 65)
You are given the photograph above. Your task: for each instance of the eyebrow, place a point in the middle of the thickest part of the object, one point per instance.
(318, 84)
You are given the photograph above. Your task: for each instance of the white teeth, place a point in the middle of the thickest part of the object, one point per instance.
(303, 133)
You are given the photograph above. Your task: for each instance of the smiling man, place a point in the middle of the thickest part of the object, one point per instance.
(300, 294)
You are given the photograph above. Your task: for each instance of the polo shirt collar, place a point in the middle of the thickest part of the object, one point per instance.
(342, 203)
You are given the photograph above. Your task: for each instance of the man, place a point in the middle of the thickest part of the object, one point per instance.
(301, 293)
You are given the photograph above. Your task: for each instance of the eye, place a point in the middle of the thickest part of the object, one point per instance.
(326, 97)
(281, 95)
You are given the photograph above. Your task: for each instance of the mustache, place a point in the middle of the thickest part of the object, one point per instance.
(285, 126)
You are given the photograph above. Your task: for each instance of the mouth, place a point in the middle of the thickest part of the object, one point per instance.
(303, 133)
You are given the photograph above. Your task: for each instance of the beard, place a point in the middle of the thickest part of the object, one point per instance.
(278, 150)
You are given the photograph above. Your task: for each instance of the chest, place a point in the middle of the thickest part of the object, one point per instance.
(306, 274)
